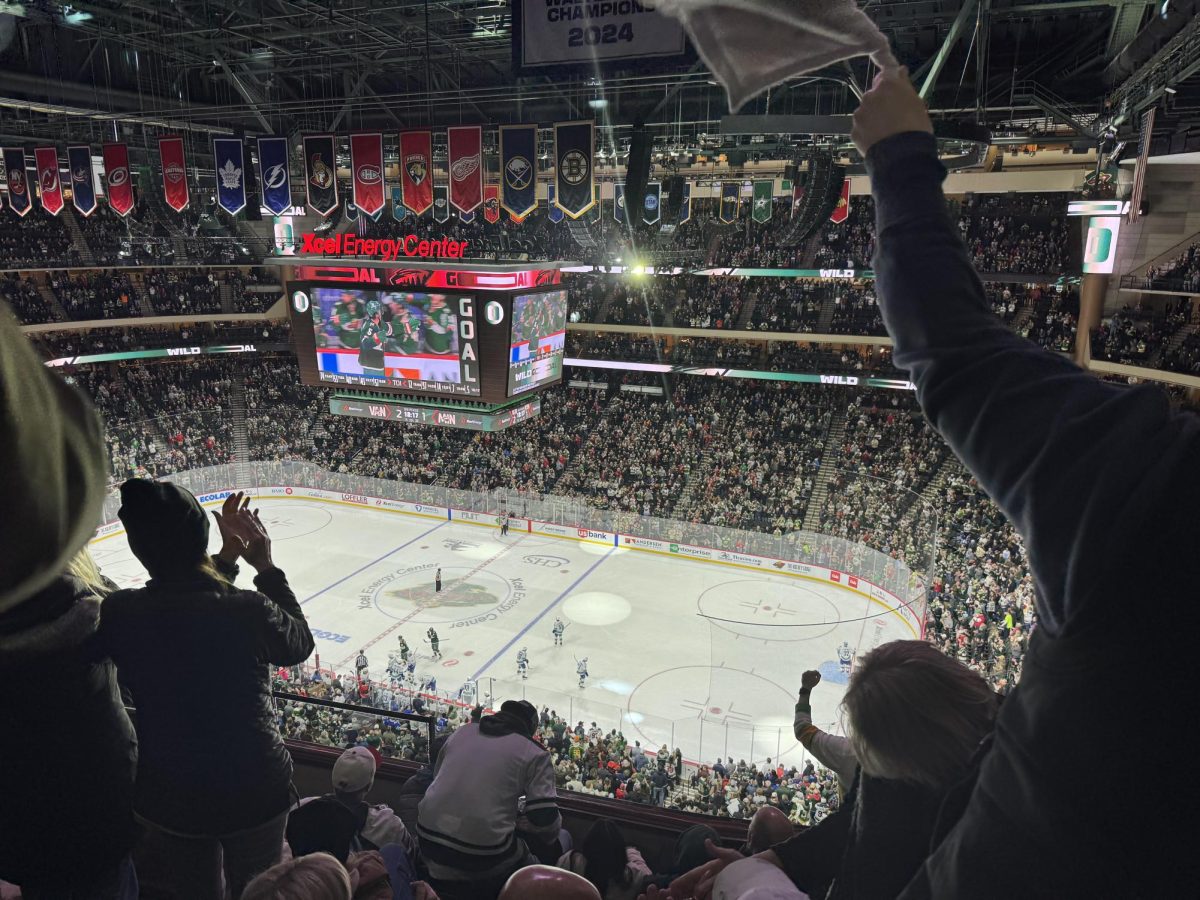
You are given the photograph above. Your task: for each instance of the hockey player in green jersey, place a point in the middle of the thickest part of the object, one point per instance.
(439, 326)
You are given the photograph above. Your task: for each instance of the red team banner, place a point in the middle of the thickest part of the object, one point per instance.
(174, 173)
(416, 170)
(46, 159)
(466, 167)
(366, 169)
(841, 212)
(491, 203)
(117, 180)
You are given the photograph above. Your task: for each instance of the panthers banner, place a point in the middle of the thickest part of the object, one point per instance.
(83, 188)
(573, 175)
(276, 175)
(320, 174)
(416, 171)
(518, 169)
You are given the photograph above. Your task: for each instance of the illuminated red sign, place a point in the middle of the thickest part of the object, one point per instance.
(451, 279)
(387, 249)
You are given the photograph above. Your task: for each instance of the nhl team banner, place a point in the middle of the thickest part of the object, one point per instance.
(619, 202)
(761, 210)
(685, 208)
(366, 169)
(399, 210)
(652, 205)
(229, 159)
(841, 212)
(174, 172)
(276, 174)
(553, 210)
(797, 197)
(594, 213)
(729, 201)
(491, 203)
(466, 167)
(320, 174)
(416, 171)
(18, 180)
(441, 203)
(46, 160)
(117, 180)
(573, 176)
(467, 217)
(518, 184)
(83, 188)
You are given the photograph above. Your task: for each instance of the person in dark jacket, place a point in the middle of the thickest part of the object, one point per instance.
(214, 777)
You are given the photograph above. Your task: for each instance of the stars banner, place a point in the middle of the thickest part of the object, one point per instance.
(760, 211)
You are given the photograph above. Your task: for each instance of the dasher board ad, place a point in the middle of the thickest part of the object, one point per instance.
(550, 33)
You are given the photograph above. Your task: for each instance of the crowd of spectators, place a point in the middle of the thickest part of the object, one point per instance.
(174, 292)
(95, 295)
(23, 296)
(1016, 233)
(58, 344)
(856, 359)
(850, 245)
(1135, 335)
(1181, 273)
(855, 310)
(138, 239)
(37, 239)
(602, 345)
(1055, 317)
(789, 305)
(246, 300)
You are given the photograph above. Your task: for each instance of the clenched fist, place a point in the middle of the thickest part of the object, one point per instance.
(890, 107)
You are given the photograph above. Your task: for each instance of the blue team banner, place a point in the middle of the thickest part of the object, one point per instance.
(229, 158)
(619, 203)
(399, 210)
(651, 206)
(351, 211)
(276, 174)
(553, 209)
(83, 184)
(685, 208)
(467, 217)
(518, 169)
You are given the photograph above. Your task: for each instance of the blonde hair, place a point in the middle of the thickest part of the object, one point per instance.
(83, 566)
(317, 876)
(915, 714)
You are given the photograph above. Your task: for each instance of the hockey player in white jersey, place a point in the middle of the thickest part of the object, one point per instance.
(523, 662)
(581, 671)
(557, 631)
(845, 657)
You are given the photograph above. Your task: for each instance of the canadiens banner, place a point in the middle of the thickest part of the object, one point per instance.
(651, 206)
(518, 171)
(685, 208)
(18, 180)
(761, 210)
(573, 176)
(320, 174)
(174, 172)
(841, 212)
(416, 170)
(229, 159)
(619, 203)
(276, 175)
(83, 188)
(491, 202)
(466, 167)
(46, 160)
(366, 170)
(729, 201)
(441, 203)
(117, 180)
(553, 210)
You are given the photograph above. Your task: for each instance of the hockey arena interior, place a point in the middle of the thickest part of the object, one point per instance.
(597, 450)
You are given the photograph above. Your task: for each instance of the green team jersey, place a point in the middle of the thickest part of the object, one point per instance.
(439, 330)
(346, 320)
(370, 352)
(406, 336)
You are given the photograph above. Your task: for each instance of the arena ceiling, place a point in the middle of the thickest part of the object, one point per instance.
(82, 71)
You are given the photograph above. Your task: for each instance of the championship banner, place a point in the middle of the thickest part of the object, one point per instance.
(116, 178)
(366, 171)
(276, 174)
(685, 208)
(320, 174)
(466, 167)
(83, 188)
(797, 197)
(841, 212)
(46, 160)
(619, 203)
(467, 217)
(761, 210)
(229, 160)
(399, 210)
(416, 171)
(553, 210)
(174, 172)
(573, 175)
(729, 201)
(491, 203)
(518, 169)
(441, 203)
(18, 180)
(652, 205)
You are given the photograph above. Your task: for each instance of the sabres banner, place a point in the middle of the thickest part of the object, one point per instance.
(491, 203)
(573, 174)
(229, 160)
(83, 188)
(841, 212)
(320, 174)
(619, 202)
(685, 208)
(416, 171)
(652, 204)
(441, 203)
(761, 210)
(174, 172)
(366, 171)
(729, 200)
(465, 143)
(518, 169)
(46, 160)
(276, 175)
(553, 210)
(117, 180)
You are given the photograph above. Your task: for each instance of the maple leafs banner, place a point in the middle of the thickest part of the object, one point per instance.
(46, 161)
(320, 174)
(573, 172)
(276, 174)
(174, 172)
(465, 144)
(83, 188)
(416, 170)
(229, 160)
(366, 169)
(117, 180)
(518, 169)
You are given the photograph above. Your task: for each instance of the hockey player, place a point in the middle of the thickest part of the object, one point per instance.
(433, 636)
(581, 671)
(845, 657)
(504, 526)
(439, 326)
(557, 631)
(360, 663)
(430, 686)
(374, 332)
(410, 673)
(523, 662)
(404, 651)
(437, 582)
(395, 667)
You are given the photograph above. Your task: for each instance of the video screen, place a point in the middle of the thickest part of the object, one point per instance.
(539, 336)
(398, 339)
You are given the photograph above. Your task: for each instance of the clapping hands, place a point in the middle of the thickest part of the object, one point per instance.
(243, 533)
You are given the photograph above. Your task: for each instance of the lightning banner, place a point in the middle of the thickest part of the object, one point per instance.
(276, 174)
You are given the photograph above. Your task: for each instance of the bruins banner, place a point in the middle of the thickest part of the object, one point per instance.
(729, 201)
(174, 172)
(46, 160)
(761, 210)
(465, 143)
(573, 174)
(441, 203)
(652, 205)
(518, 169)
(276, 175)
(366, 171)
(491, 202)
(553, 210)
(117, 180)
(83, 187)
(416, 171)
(320, 174)
(685, 208)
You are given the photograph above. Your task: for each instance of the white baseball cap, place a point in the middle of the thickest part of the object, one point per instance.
(354, 770)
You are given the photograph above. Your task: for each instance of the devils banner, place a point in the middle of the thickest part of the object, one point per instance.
(573, 175)
(416, 170)
(518, 169)
(117, 179)
(229, 160)
(174, 172)
(366, 170)
(441, 204)
(465, 143)
(18, 180)
(652, 205)
(46, 160)
(276, 175)
(841, 212)
(729, 201)
(83, 189)
(320, 174)
(491, 202)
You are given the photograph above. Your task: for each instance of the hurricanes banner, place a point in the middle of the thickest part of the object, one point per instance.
(174, 172)
(652, 204)
(117, 180)
(685, 208)
(441, 203)
(320, 174)
(466, 167)
(491, 203)
(229, 160)
(276, 174)
(761, 210)
(518, 169)
(366, 171)
(729, 201)
(573, 175)
(18, 180)
(46, 161)
(841, 212)
(416, 171)
(619, 202)
(83, 188)
(553, 210)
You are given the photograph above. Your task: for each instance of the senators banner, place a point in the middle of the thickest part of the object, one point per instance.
(174, 172)
(729, 200)
(466, 167)
(573, 174)
(685, 208)
(18, 180)
(320, 174)
(366, 171)
(491, 202)
(441, 203)
(761, 210)
(229, 160)
(276, 174)
(652, 205)
(619, 203)
(117, 180)
(553, 210)
(83, 188)
(46, 160)
(841, 212)
(416, 170)
(518, 169)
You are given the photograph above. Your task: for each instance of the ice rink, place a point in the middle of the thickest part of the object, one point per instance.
(699, 655)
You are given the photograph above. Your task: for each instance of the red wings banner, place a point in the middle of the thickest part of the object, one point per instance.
(841, 212)
(466, 167)
(416, 170)
(491, 203)
(117, 180)
(174, 172)
(366, 169)
(46, 159)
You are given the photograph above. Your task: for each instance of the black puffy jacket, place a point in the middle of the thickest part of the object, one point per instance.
(194, 655)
